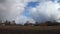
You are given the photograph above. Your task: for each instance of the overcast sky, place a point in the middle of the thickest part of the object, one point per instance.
(30, 10)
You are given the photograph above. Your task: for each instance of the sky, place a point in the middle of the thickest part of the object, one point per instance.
(30, 10)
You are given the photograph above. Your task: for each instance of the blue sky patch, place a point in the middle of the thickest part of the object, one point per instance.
(32, 4)
(58, 1)
(26, 13)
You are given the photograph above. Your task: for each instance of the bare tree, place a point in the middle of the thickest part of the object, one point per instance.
(28, 24)
(36, 24)
(0, 22)
(7, 22)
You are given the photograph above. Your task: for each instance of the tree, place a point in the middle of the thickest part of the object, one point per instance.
(0, 22)
(36, 24)
(7, 22)
(49, 23)
(26, 23)
(13, 22)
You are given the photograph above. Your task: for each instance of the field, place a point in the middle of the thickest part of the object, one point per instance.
(29, 29)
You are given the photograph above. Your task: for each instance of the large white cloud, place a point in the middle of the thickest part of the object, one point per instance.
(46, 10)
(23, 19)
(10, 9)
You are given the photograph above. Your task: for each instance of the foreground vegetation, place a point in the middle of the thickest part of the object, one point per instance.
(29, 32)
(29, 29)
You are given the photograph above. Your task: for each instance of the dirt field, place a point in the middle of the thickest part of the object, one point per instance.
(29, 29)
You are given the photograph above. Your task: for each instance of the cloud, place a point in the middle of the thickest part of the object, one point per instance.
(10, 9)
(23, 19)
(45, 11)
(13, 10)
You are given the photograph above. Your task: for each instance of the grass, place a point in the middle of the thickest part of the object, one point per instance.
(29, 29)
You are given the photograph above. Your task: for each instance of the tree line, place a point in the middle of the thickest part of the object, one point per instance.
(47, 23)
